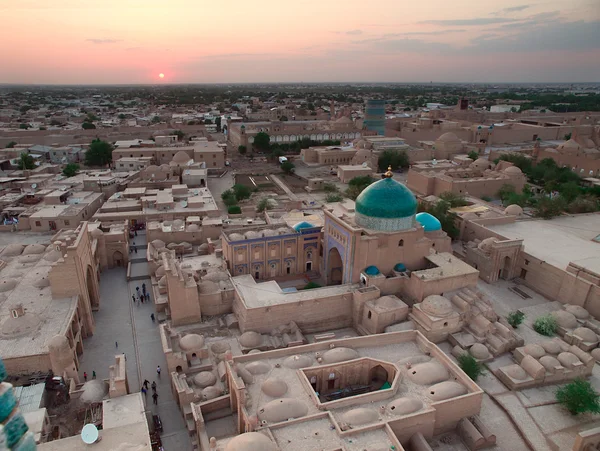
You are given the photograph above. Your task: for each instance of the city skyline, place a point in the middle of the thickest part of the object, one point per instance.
(263, 41)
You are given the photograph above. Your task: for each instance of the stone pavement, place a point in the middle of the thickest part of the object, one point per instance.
(138, 337)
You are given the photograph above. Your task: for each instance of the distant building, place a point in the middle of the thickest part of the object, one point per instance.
(375, 116)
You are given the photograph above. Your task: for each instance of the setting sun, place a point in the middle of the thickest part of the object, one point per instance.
(161, 75)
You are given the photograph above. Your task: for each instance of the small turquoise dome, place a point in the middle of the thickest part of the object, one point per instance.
(400, 267)
(371, 270)
(429, 222)
(303, 225)
(386, 205)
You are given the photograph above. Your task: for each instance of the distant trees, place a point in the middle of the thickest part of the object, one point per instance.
(99, 153)
(24, 126)
(283, 118)
(88, 126)
(70, 170)
(155, 119)
(180, 135)
(228, 198)
(218, 123)
(357, 185)
(288, 167)
(26, 161)
(473, 155)
(242, 150)
(568, 136)
(579, 397)
(241, 191)
(207, 121)
(261, 141)
(394, 158)
(122, 116)
(470, 366)
(11, 144)
(441, 210)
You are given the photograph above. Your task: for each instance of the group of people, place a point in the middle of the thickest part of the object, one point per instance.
(153, 386)
(141, 296)
(85, 375)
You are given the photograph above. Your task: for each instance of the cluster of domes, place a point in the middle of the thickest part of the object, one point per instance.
(191, 342)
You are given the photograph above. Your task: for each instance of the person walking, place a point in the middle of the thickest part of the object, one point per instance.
(158, 370)
(152, 316)
(144, 391)
(133, 297)
(93, 375)
(154, 386)
(85, 376)
(135, 249)
(144, 288)
(137, 290)
(146, 382)
(116, 344)
(155, 398)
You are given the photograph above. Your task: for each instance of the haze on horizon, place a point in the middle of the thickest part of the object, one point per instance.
(132, 42)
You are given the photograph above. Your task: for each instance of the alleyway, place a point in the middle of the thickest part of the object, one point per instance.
(119, 320)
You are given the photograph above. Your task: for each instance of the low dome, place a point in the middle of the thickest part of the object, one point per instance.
(283, 231)
(336, 355)
(595, 353)
(568, 359)
(211, 392)
(251, 441)
(250, 339)
(577, 311)
(448, 137)
(204, 379)
(236, 237)
(386, 302)
(178, 224)
(479, 351)
(157, 244)
(302, 225)
(7, 285)
(480, 163)
(549, 363)
(41, 283)
(220, 347)
(512, 170)
(586, 334)
(12, 250)
(437, 305)
(163, 281)
(208, 286)
(414, 359)
(486, 245)
(23, 325)
(193, 228)
(513, 210)
(53, 256)
(404, 406)
(297, 361)
(427, 373)
(372, 271)
(565, 319)
(259, 367)
(274, 387)
(269, 232)
(516, 372)
(181, 157)
(359, 416)
(34, 249)
(251, 234)
(551, 346)
(160, 271)
(282, 409)
(570, 146)
(97, 233)
(386, 205)
(400, 267)
(93, 391)
(191, 342)
(534, 350)
(29, 258)
(445, 390)
(429, 222)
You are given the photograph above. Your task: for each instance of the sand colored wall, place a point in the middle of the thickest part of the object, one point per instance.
(577, 160)
(184, 304)
(587, 440)
(28, 364)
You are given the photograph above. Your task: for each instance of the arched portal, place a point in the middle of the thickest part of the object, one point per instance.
(92, 287)
(505, 273)
(335, 267)
(118, 259)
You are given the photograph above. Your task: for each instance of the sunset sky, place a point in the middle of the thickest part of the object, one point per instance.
(192, 41)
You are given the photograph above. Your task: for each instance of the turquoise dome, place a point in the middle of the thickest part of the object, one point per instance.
(386, 205)
(429, 222)
(400, 267)
(371, 270)
(303, 225)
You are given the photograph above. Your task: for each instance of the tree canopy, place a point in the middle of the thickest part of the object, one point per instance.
(88, 126)
(357, 185)
(261, 141)
(99, 153)
(394, 158)
(70, 170)
(26, 161)
(11, 144)
(288, 167)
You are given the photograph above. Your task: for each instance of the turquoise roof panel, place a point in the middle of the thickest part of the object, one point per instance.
(429, 222)
(303, 225)
(371, 270)
(386, 198)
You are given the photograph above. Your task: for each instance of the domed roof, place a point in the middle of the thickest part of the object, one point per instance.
(512, 170)
(163, 281)
(552, 346)
(372, 270)
(53, 256)
(549, 363)
(480, 163)
(586, 334)
(258, 367)
(429, 222)
(437, 305)
(344, 120)
(387, 302)
(386, 205)
(428, 373)
(570, 145)
(12, 250)
(479, 351)
(193, 228)
(205, 378)
(448, 137)
(210, 392)
(158, 244)
(96, 233)
(513, 210)
(250, 441)
(297, 361)
(337, 355)
(34, 249)
(578, 311)
(404, 406)
(516, 372)
(94, 391)
(534, 350)
(274, 387)
(250, 339)
(281, 410)
(236, 237)
(445, 390)
(181, 157)
(400, 267)
(568, 359)
(565, 319)
(191, 342)
(361, 415)
(303, 225)
(486, 244)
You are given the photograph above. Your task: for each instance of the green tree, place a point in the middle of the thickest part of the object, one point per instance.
(91, 117)
(394, 158)
(155, 119)
(234, 210)
(241, 192)
(330, 187)
(242, 150)
(455, 200)
(288, 167)
(311, 285)
(180, 135)
(569, 191)
(122, 116)
(88, 126)
(218, 123)
(207, 121)
(99, 153)
(26, 161)
(473, 155)
(567, 136)
(228, 198)
(548, 208)
(261, 142)
(283, 118)
(24, 126)
(545, 325)
(264, 204)
(579, 397)
(441, 210)
(55, 123)
(70, 170)
(333, 197)
(470, 366)
(11, 144)
(515, 318)
(357, 185)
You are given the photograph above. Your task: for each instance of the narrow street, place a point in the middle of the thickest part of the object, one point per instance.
(125, 327)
